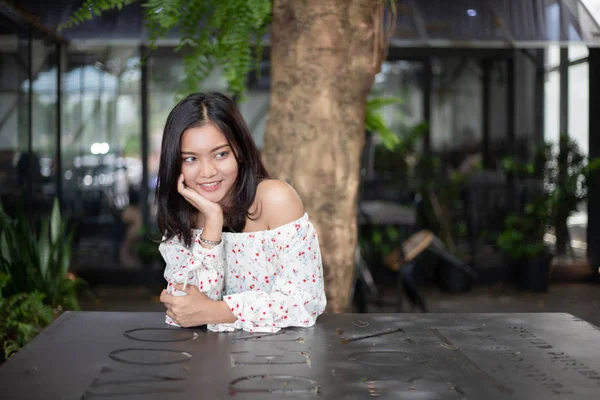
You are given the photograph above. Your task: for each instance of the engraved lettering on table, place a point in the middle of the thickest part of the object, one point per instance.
(567, 361)
(530, 337)
(518, 362)
(281, 358)
(112, 383)
(274, 384)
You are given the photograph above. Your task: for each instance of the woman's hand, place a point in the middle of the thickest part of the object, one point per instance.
(196, 308)
(212, 212)
(209, 209)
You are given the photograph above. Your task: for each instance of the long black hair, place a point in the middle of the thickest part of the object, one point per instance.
(175, 216)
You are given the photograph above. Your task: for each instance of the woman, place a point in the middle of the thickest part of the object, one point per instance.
(238, 245)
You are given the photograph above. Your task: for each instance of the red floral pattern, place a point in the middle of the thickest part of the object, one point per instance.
(272, 279)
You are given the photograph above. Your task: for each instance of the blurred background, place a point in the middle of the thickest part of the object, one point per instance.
(487, 95)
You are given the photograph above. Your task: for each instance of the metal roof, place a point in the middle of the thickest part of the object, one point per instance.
(493, 23)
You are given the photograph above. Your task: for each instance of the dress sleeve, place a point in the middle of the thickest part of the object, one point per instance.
(297, 296)
(193, 265)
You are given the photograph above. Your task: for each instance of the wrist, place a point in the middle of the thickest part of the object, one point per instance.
(214, 217)
(222, 313)
(211, 233)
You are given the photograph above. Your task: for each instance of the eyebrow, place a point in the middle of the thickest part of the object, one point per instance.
(212, 151)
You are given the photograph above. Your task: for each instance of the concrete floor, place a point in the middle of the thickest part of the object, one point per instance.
(579, 299)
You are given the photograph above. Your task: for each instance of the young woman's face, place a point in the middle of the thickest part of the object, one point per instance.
(207, 162)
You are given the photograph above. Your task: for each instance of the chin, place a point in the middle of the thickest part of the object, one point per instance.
(214, 197)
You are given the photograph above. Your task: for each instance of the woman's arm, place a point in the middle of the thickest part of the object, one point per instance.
(199, 266)
(297, 296)
(195, 308)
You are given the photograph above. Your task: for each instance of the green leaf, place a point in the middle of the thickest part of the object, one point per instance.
(65, 262)
(44, 250)
(375, 123)
(91, 8)
(4, 249)
(55, 222)
(213, 33)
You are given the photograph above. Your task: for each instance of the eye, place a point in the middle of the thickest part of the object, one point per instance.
(221, 154)
(189, 159)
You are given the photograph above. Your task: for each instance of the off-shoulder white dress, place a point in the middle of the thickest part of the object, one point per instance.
(270, 279)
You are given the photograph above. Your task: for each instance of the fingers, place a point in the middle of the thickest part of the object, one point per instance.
(172, 316)
(181, 188)
(189, 194)
(166, 298)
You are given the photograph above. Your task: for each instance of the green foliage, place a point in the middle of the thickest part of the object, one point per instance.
(563, 170)
(91, 8)
(566, 177)
(378, 240)
(22, 316)
(224, 33)
(522, 237)
(523, 233)
(375, 123)
(39, 260)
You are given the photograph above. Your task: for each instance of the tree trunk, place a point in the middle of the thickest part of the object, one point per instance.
(322, 68)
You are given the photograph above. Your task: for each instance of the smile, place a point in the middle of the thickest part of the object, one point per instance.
(210, 186)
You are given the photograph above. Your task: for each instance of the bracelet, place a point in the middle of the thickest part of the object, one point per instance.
(209, 242)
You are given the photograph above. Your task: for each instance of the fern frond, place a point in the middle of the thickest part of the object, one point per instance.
(91, 8)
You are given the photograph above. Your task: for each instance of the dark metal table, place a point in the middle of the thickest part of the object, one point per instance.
(89, 355)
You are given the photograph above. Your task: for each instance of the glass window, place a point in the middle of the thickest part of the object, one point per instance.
(577, 51)
(552, 56)
(552, 107)
(456, 127)
(402, 79)
(102, 165)
(27, 118)
(579, 104)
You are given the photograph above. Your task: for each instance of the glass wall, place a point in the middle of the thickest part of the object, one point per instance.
(457, 115)
(388, 175)
(14, 65)
(579, 104)
(577, 95)
(404, 80)
(44, 128)
(101, 136)
(552, 107)
(28, 120)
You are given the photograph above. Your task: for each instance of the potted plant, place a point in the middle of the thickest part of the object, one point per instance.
(567, 177)
(560, 174)
(522, 242)
(37, 257)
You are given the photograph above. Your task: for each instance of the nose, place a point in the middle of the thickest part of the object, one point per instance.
(207, 169)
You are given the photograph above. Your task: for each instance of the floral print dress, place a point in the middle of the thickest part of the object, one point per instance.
(270, 279)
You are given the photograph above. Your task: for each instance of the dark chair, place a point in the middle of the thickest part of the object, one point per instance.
(412, 261)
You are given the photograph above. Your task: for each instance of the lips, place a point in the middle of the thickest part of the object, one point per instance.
(210, 186)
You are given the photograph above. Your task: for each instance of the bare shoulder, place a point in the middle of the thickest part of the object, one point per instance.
(279, 202)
